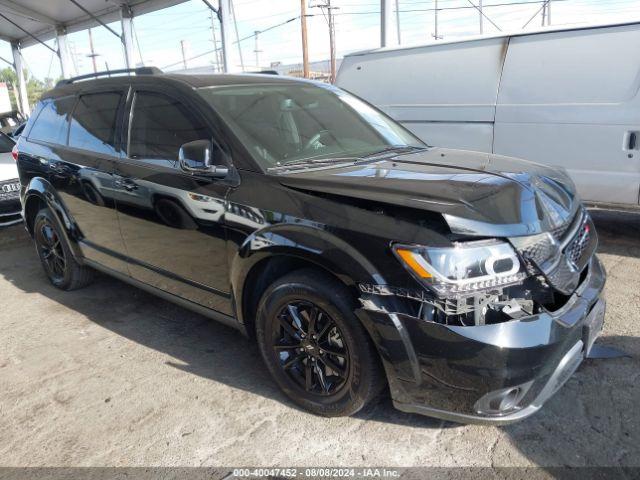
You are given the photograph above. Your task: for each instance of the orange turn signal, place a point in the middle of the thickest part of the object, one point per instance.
(407, 257)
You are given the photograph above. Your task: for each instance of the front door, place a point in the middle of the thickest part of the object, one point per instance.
(171, 221)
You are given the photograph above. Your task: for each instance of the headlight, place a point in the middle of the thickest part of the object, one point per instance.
(464, 268)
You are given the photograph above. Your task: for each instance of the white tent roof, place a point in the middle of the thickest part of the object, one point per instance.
(22, 20)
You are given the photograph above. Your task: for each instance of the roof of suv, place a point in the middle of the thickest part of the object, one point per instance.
(189, 80)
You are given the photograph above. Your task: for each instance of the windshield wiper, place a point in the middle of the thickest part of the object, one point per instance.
(313, 161)
(395, 149)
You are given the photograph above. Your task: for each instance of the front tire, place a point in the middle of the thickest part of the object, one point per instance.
(314, 346)
(58, 263)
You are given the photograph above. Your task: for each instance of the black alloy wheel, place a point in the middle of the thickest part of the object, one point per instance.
(311, 348)
(50, 250)
(315, 347)
(59, 264)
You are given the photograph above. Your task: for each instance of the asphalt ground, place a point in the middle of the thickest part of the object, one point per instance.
(112, 376)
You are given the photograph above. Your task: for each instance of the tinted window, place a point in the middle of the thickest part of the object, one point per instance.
(93, 123)
(51, 124)
(160, 125)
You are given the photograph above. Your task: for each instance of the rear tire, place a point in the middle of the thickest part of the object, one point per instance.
(315, 347)
(59, 265)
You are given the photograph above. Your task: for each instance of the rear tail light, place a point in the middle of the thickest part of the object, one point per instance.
(14, 152)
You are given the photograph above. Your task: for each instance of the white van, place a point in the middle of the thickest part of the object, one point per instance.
(566, 97)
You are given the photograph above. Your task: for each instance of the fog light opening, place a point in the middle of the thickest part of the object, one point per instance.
(510, 400)
(501, 402)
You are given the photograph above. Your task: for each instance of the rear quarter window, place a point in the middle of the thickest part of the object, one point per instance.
(52, 122)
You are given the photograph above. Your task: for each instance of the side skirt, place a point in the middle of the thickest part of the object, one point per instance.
(194, 307)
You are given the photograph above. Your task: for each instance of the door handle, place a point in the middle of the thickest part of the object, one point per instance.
(631, 139)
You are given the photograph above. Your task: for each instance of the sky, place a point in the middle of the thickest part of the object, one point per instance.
(160, 36)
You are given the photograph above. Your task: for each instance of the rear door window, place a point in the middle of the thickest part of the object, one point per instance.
(159, 126)
(93, 123)
(51, 125)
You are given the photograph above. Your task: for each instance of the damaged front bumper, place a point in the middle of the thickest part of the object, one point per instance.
(495, 374)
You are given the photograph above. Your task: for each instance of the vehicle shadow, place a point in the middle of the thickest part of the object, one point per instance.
(199, 345)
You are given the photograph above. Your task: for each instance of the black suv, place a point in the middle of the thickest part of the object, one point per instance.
(357, 256)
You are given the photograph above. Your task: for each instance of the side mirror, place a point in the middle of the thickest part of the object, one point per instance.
(195, 159)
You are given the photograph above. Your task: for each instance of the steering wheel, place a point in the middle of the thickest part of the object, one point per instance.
(315, 139)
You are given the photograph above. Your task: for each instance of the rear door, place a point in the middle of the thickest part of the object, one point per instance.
(74, 144)
(172, 222)
(85, 174)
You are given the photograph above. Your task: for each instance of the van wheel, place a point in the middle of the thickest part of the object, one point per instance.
(315, 347)
(55, 254)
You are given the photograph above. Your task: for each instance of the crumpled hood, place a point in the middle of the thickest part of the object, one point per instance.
(477, 193)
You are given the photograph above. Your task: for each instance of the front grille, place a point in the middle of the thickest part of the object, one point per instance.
(562, 259)
(9, 206)
(558, 232)
(578, 245)
(9, 190)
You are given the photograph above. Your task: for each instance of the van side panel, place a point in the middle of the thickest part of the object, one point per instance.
(571, 99)
(445, 94)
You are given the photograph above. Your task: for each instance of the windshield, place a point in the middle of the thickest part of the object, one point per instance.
(282, 124)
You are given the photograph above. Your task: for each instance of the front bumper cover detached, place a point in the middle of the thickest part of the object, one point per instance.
(492, 374)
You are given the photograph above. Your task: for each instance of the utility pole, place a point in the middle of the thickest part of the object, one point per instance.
(435, 16)
(184, 57)
(305, 48)
(544, 12)
(257, 50)
(398, 21)
(332, 34)
(235, 25)
(93, 53)
(216, 52)
(480, 12)
(332, 41)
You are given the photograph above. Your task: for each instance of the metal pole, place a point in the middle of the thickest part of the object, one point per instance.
(257, 49)
(93, 53)
(481, 17)
(332, 42)
(435, 16)
(398, 21)
(216, 52)
(184, 57)
(305, 47)
(235, 25)
(225, 28)
(385, 22)
(549, 12)
(126, 18)
(22, 97)
(63, 52)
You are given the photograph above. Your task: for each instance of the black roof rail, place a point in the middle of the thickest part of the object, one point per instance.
(109, 73)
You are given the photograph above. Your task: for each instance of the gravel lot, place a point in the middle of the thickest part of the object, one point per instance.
(112, 376)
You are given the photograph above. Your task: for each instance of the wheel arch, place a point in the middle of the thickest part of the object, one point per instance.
(39, 194)
(270, 253)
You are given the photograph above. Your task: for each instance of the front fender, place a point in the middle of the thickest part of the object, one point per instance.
(41, 191)
(304, 242)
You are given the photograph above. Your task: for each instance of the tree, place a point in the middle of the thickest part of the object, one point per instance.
(35, 87)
